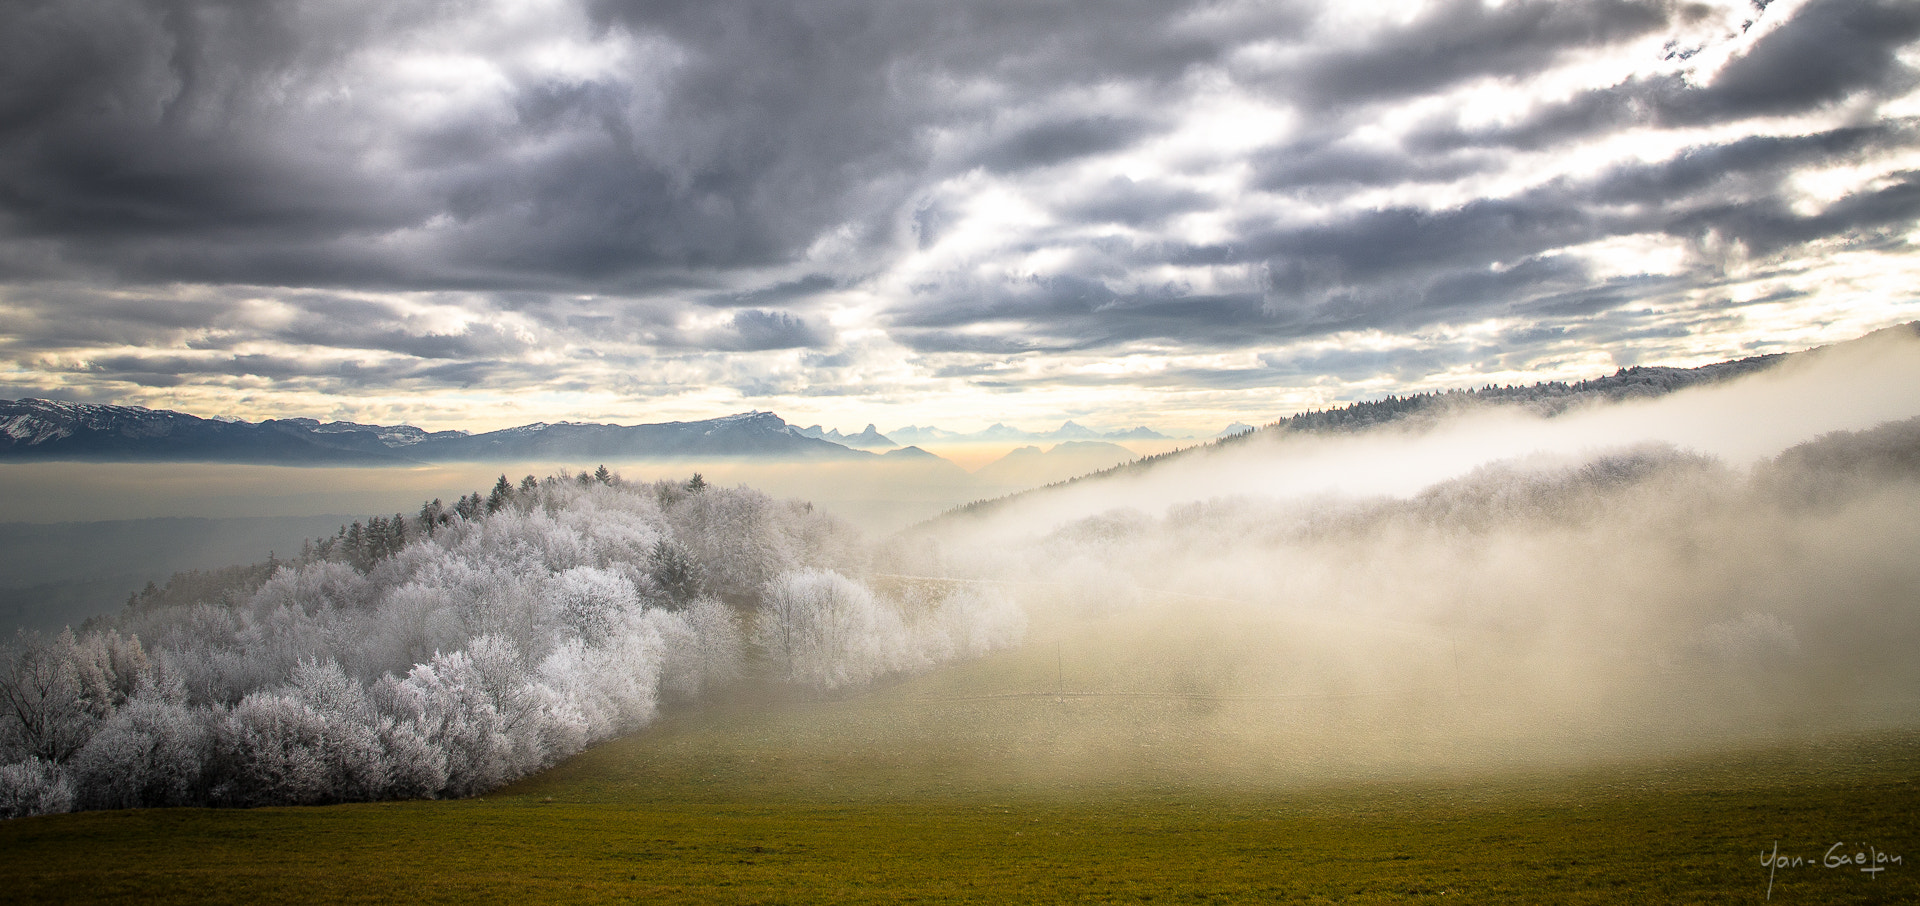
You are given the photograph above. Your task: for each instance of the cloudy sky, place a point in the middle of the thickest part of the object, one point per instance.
(477, 213)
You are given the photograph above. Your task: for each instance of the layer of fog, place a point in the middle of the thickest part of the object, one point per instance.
(64, 573)
(1848, 387)
(1488, 589)
(878, 495)
(80, 537)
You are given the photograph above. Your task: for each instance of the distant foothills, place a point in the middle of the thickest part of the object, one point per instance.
(35, 429)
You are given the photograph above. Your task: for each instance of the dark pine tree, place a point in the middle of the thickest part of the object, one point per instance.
(501, 496)
(676, 573)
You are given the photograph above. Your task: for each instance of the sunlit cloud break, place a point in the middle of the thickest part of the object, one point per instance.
(1181, 214)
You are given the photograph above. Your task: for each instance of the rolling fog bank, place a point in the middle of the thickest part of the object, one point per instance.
(880, 495)
(63, 573)
(1851, 386)
(1724, 565)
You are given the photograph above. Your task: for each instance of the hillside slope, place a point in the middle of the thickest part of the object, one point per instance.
(1547, 399)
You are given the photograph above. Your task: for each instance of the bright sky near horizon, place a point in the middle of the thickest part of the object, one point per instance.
(491, 212)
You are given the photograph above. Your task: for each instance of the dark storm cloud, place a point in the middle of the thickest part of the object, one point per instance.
(1759, 163)
(754, 330)
(720, 175)
(1054, 143)
(164, 153)
(1459, 40)
(1291, 168)
(293, 371)
(1829, 52)
(1062, 314)
(1736, 190)
(1880, 218)
(51, 315)
(471, 342)
(124, 121)
(783, 292)
(203, 141)
(1706, 187)
(1138, 204)
(925, 340)
(68, 316)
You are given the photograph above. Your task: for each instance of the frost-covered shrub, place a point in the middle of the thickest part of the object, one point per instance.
(34, 787)
(705, 647)
(595, 691)
(315, 740)
(153, 751)
(591, 601)
(820, 628)
(46, 707)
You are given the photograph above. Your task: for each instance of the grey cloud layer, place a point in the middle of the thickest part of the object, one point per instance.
(677, 200)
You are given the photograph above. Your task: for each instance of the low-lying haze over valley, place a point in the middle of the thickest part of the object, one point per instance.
(1468, 586)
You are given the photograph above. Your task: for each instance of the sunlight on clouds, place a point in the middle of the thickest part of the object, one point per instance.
(517, 210)
(1224, 121)
(1818, 188)
(439, 85)
(1631, 256)
(1354, 20)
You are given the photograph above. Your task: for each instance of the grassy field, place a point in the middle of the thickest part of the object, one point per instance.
(1007, 780)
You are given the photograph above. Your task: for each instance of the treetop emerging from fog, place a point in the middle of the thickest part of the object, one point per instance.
(496, 213)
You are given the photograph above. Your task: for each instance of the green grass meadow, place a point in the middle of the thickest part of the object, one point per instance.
(1004, 781)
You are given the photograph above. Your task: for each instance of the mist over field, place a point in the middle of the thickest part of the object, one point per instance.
(1478, 587)
(1484, 588)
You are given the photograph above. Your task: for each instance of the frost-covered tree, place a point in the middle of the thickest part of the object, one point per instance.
(34, 787)
(153, 751)
(823, 629)
(448, 654)
(48, 713)
(674, 572)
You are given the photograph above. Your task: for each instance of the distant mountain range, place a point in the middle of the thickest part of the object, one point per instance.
(43, 429)
(47, 430)
(869, 439)
(999, 433)
(1031, 467)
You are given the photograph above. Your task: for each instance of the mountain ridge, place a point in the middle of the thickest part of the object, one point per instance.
(1547, 398)
(38, 429)
(1000, 432)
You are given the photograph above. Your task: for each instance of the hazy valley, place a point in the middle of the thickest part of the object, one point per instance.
(1449, 589)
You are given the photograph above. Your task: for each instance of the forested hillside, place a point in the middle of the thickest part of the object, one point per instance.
(1544, 398)
(445, 653)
